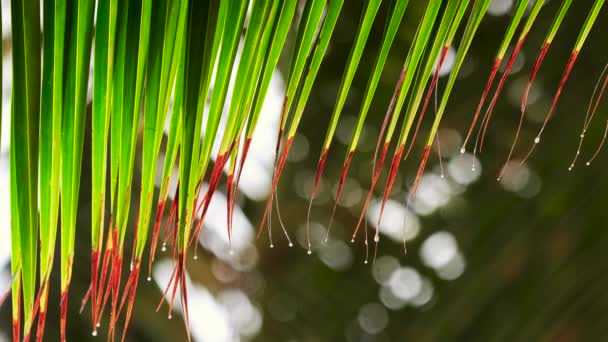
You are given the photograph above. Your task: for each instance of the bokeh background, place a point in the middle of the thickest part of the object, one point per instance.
(523, 259)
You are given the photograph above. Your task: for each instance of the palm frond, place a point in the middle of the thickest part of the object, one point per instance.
(208, 63)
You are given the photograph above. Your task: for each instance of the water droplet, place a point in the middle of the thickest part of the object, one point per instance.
(536, 140)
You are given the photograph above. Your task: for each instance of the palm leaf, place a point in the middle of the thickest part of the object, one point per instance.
(578, 45)
(54, 19)
(445, 33)
(401, 90)
(105, 38)
(325, 34)
(479, 9)
(201, 153)
(390, 30)
(365, 25)
(74, 110)
(24, 155)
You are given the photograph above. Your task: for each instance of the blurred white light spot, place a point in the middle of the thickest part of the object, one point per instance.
(345, 129)
(464, 169)
(438, 249)
(452, 269)
(336, 254)
(520, 179)
(515, 176)
(425, 294)
(204, 311)
(433, 193)
(499, 7)
(450, 141)
(351, 192)
(317, 233)
(223, 272)
(255, 181)
(214, 235)
(304, 183)
(514, 95)
(448, 62)
(388, 298)
(405, 283)
(372, 318)
(299, 148)
(244, 317)
(383, 268)
(393, 218)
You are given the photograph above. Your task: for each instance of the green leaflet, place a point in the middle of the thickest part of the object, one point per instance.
(166, 40)
(118, 92)
(365, 25)
(412, 63)
(311, 18)
(531, 18)
(281, 29)
(479, 9)
(327, 29)
(105, 37)
(198, 63)
(595, 10)
(247, 71)
(54, 17)
(173, 138)
(24, 153)
(445, 33)
(520, 8)
(50, 129)
(229, 25)
(138, 34)
(557, 22)
(74, 111)
(397, 10)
